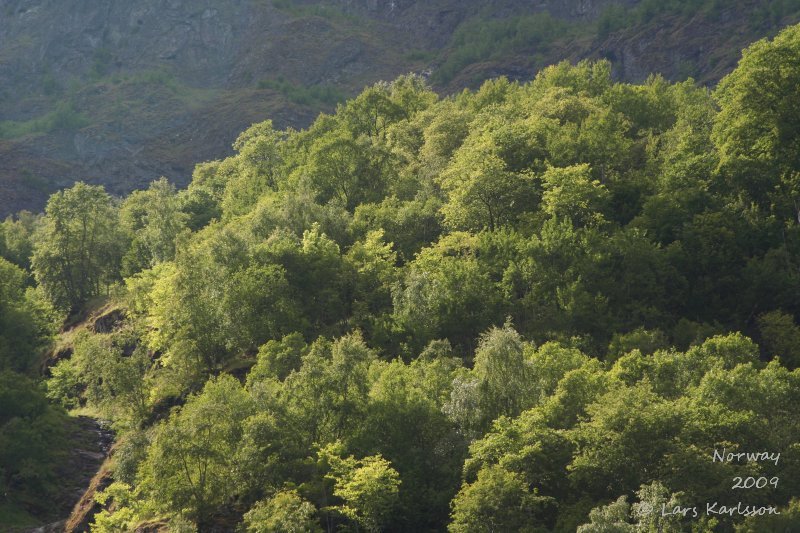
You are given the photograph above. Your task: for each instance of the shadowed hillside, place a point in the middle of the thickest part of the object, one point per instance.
(122, 92)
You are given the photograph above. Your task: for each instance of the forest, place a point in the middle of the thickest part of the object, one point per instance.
(539, 306)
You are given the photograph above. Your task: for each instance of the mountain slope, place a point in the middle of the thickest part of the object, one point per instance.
(123, 92)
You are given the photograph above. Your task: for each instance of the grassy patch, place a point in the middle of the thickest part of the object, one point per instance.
(36, 182)
(419, 55)
(301, 95)
(137, 85)
(142, 95)
(63, 118)
(153, 77)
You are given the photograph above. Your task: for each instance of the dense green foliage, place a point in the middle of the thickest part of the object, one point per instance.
(78, 249)
(524, 308)
(31, 431)
(31, 443)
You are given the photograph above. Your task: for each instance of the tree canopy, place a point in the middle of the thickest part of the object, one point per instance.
(535, 306)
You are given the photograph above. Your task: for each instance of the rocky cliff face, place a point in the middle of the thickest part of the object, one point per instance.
(224, 44)
(121, 92)
(65, 39)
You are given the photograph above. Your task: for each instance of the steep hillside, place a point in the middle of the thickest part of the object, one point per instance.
(122, 92)
(541, 306)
